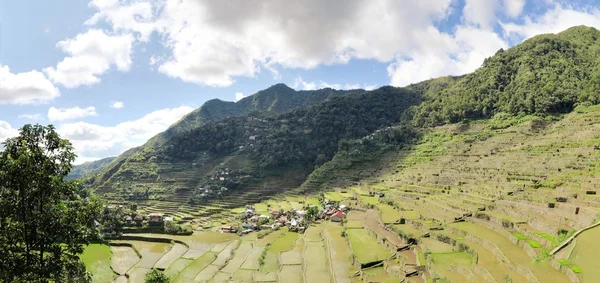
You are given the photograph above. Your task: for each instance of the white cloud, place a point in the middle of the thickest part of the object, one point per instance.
(62, 114)
(239, 96)
(480, 12)
(6, 131)
(25, 88)
(117, 105)
(460, 54)
(301, 84)
(554, 20)
(513, 8)
(93, 141)
(31, 116)
(212, 42)
(91, 54)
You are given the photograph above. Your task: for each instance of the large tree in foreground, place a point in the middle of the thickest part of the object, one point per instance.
(44, 220)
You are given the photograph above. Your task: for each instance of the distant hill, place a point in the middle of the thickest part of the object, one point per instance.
(275, 139)
(89, 168)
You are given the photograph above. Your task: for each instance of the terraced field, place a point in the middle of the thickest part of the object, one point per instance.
(478, 202)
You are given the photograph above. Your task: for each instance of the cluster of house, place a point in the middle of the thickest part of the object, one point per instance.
(209, 191)
(220, 174)
(295, 220)
(252, 221)
(333, 211)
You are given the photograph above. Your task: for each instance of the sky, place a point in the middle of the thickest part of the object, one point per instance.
(110, 74)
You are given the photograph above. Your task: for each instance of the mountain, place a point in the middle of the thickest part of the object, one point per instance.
(275, 99)
(279, 138)
(89, 168)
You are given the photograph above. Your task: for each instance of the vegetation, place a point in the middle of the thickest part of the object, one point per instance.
(46, 221)
(156, 276)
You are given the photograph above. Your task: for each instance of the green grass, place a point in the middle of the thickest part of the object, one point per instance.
(547, 237)
(365, 247)
(571, 266)
(283, 243)
(388, 213)
(96, 258)
(369, 200)
(422, 258)
(531, 242)
(333, 196)
(177, 266)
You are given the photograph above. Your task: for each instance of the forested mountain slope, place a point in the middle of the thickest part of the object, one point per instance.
(279, 137)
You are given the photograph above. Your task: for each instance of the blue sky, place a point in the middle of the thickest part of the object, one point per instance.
(109, 74)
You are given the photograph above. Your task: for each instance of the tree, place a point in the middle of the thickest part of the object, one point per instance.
(44, 221)
(155, 276)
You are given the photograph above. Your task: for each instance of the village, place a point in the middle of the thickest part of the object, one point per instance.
(295, 220)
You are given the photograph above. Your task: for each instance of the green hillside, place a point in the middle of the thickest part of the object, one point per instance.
(89, 168)
(477, 178)
(275, 138)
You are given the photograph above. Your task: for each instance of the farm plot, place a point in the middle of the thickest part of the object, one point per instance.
(333, 196)
(151, 252)
(378, 274)
(238, 258)
(97, 260)
(388, 213)
(288, 248)
(291, 274)
(191, 271)
(138, 274)
(313, 233)
(316, 268)
(365, 247)
(177, 266)
(243, 275)
(123, 259)
(176, 252)
(339, 252)
(586, 254)
(543, 271)
(436, 246)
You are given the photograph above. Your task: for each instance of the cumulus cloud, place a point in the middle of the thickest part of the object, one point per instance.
(459, 54)
(62, 114)
(117, 105)
(91, 54)
(212, 42)
(301, 84)
(92, 141)
(513, 8)
(25, 88)
(239, 96)
(480, 12)
(556, 19)
(7, 131)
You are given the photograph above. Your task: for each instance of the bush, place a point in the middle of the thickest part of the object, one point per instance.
(174, 229)
(155, 276)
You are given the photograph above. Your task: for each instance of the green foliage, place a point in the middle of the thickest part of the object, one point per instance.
(175, 229)
(545, 74)
(156, 276)
(45, 221)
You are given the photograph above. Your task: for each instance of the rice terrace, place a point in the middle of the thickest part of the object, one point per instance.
(427, 141)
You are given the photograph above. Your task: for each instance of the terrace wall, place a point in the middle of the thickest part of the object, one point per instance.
(572, 275)
(531, 252)
(497, 253)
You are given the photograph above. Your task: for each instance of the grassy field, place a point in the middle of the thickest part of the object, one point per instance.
(315, 261)
(97, 259)
(364, 247)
